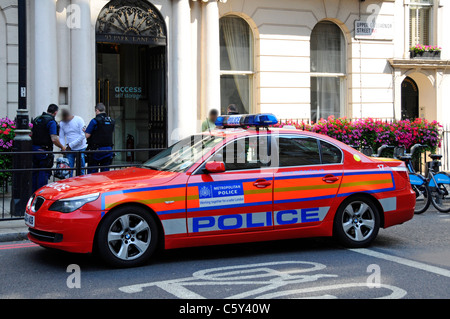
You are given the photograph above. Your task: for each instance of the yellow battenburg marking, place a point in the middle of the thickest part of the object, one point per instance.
(258, 191)
(375, 182)
(383, 159)
(159, 200)
(306, 188)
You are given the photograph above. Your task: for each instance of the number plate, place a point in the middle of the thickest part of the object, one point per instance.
(29, 220)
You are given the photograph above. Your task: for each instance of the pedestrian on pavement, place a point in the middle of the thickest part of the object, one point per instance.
(44, 136)
(210, 123)
(232, 109)
(72, 135)
(99, 134)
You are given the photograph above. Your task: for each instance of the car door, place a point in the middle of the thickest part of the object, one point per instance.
(307, 180)
(237, 200)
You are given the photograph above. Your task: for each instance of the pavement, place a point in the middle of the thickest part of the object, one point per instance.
(13, 230)
(10, 230)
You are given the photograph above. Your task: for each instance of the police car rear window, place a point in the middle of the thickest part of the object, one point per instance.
(330, 153)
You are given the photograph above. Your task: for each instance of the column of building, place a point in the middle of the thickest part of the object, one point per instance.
(182, 119)
(210, 56)
(82, 71)
(45, 84)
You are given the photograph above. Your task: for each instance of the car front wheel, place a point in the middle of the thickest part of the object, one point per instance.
(357, 222)
(128, 237)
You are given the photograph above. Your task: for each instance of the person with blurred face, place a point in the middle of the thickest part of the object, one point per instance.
(72, 135)
(210, 123)
(232, 110)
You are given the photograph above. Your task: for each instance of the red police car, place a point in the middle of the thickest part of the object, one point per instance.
(243, 183)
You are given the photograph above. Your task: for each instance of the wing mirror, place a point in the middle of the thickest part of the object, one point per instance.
(215, 167)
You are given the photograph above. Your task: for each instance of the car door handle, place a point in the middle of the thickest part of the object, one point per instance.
(330, 179)
(262, 183)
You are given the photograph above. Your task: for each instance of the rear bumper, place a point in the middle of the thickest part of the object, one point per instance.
(405, 209)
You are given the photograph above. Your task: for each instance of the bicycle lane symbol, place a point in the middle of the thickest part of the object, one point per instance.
(268, 278)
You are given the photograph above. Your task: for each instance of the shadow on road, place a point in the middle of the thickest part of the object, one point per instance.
(59, 259)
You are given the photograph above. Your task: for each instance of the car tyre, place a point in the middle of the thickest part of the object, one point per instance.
(357, 222)
(128, 237)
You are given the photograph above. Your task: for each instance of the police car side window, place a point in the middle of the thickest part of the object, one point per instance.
(245, 153)
(330, 153)
(297, 151)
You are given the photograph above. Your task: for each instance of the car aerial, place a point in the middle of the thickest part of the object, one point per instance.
(243, 182)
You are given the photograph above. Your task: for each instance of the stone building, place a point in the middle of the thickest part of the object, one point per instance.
(161, 65)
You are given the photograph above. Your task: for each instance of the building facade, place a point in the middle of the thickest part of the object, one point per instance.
(160, 65)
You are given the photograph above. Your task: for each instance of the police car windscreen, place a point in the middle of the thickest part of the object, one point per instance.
(182, 155)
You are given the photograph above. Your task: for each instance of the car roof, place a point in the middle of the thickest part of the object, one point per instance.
(232, 133)
(239, 132)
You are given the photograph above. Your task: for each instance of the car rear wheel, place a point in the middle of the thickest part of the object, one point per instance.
(128, 237)
(357, 222)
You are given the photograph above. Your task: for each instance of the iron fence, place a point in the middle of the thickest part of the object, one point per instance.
(445, 148)
(6, 175)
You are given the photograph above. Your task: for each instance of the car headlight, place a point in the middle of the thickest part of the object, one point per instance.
(29, 202)
(69, 205)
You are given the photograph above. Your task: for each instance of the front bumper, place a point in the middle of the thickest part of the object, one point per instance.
(72, 232)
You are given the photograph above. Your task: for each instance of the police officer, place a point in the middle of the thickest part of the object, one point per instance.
(44, 136)
(99, 134)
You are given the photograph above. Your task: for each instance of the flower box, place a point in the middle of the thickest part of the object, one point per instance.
(432, 55)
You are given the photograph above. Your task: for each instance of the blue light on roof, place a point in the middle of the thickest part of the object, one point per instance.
(266, 119)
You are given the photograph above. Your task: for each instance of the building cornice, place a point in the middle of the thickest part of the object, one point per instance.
(418, 63)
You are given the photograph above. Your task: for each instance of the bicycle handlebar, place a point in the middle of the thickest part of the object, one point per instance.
(382, 148)
(414, 147)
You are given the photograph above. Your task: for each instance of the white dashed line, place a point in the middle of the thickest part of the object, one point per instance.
(404, 261)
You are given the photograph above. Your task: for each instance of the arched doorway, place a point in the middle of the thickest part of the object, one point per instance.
(410, 99)
(131, 41)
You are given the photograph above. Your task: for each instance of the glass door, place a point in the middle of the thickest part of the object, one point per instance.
(131, 84)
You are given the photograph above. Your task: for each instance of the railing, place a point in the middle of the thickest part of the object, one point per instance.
(7, 174)
(308, 121)
(445, 148)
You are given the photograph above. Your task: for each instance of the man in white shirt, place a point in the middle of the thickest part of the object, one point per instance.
(71, 133)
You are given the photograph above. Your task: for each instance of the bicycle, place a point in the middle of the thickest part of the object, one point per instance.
(419, 183)
(439, 185)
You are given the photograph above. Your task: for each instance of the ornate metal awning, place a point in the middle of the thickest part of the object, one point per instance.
(131, 21)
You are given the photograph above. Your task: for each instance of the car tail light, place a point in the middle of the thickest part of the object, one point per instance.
(401, 170)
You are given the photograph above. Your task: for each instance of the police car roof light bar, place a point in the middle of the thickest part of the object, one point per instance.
(257, 120)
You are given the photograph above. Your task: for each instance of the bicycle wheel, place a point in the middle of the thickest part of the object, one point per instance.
(422, 198)
(440, 197)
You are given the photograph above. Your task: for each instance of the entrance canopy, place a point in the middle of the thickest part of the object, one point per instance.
(132, 22)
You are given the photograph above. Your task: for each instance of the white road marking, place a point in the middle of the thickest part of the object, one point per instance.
(397, 293)
(403, 261)
(265, 276)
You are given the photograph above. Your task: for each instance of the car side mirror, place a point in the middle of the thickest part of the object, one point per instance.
(215, 167)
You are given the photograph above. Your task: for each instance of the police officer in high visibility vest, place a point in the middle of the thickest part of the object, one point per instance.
(44, 136)
(99, 134)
